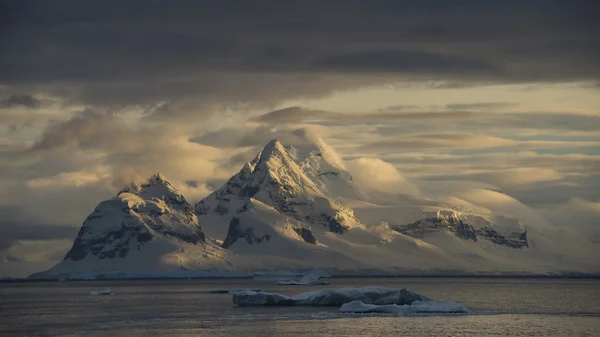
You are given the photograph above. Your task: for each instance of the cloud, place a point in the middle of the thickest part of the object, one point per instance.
(373, 174)
(423, 164)
(210, 54)
(26, 101)
(503, 204)
(470, 118)
(16, 225)
(88, 129)
(78, 162)
(294, 115)
(515, 178)
(580, 213)
(480, 106)
(461, 141)
(405, 61)
(74, 178)
(398, 107)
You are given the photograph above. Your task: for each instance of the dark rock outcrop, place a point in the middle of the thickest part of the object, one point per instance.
(306, 235)
(463, 230)
(237, 232)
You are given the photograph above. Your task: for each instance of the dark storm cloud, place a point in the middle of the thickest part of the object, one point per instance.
(467, 116)
(26, 101)
(88, 129)
(406, 61)
(146, 51)
(293, 115)
(15, 226)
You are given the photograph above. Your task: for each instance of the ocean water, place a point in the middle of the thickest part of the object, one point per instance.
(499, 307)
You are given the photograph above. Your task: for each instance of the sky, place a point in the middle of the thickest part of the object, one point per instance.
(501, 95)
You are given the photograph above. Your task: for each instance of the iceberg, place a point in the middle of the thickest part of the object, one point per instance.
(308, 279)
(106, 291)
(330, 297)
(416, 307)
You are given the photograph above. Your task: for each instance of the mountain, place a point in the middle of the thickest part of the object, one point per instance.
(275, 179)
(297, 205)
(147, 226)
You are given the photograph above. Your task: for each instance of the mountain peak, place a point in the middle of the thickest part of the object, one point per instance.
(273, 146)
(155, 181)
(156, 178)
(277, 180)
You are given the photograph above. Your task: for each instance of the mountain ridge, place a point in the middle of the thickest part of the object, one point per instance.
(297, 207)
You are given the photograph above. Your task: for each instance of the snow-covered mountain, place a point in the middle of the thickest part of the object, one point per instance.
(300, 205)
(297, 207)
(146, 226)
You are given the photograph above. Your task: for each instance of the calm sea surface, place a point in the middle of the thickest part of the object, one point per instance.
(499, 307)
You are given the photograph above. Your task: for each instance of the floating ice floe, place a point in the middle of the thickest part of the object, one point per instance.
(415, 307)
(308, 279)
(331, 297)
(228, 291)
(235, 291)
(106, 291)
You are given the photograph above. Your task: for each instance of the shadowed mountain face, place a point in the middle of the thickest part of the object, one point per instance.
(136, 216)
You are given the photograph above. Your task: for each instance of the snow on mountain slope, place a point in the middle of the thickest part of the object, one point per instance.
(324, 166)
(148, 226)
(278, 241)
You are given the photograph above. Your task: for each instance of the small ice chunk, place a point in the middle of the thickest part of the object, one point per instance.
(234, 291)
(228, 291)
(106, 291)
(252, 298)
(359, 306)
(308, 279)
(415, 307)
